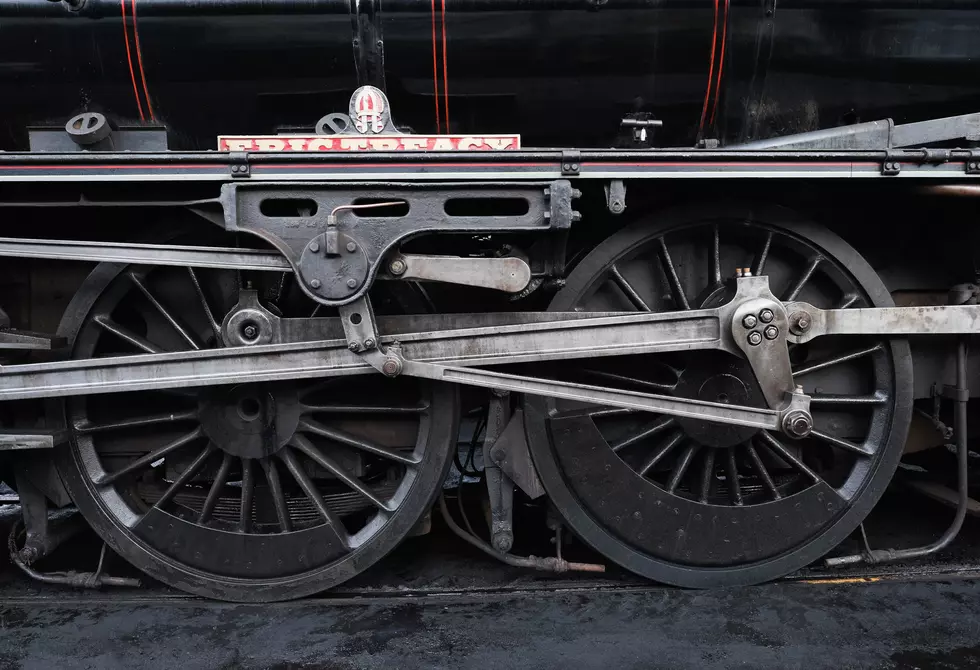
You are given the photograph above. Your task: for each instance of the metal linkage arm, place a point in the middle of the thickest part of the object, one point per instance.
(806, 322)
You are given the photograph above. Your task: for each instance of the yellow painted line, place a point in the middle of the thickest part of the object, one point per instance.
(843, 580)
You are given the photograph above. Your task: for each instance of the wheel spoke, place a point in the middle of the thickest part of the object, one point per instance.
(661, 451)
(628, 289)
(310, 450)
(837, 400)
(183, 332)
(317, 428)
(843, 358)
(763, 473)
(365, 409)
(848, 300)
(185, 477)
(151, 458)
(216, 487)
(136, 422)
(681, 467)
(804, 278)
(707, 474)
(843, 444)
(215, 326)
(760, 261)
(676, 289)
(248, 491)
(126, 335)
(734, 488)
(788, 456)
(623, 379)
(658, 426)
(305, 483)
(715, 269)
(278, 497)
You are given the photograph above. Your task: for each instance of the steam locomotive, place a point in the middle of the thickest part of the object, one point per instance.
(665, 258)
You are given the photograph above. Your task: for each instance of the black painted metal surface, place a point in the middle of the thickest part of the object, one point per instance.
(562, 73)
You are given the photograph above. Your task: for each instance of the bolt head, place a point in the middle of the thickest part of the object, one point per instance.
(771, 332)
(351, 247)
(750, 321)
(315, 283)
(369, 343)
(250, 332)
(797, 424)
(392, 367)
(397, 267)
(351, 283)
(314, 247)
(755, 339)
(354, 346)
(766, 316)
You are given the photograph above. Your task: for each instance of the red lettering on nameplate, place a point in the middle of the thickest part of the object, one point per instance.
(368, 143)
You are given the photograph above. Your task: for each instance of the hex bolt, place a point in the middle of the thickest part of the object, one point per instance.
(755, 339)
(351, 283)
(797, 424)
(354, 346)
(749, 321)
(392, 367)
(369, 343)
(771, 332)
(766, 316)
(351, 247)
(314, 246)
(397, 267)
(315, 283)
(250, 332)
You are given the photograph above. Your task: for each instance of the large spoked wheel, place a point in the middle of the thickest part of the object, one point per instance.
(698, 504)
(256, 492)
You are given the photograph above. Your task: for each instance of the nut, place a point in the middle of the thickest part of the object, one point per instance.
(250, 332)
(397, 267)
(369, 343)
(392, 367)
(315, 283)
(797, 424)
(354, 346)
(755, 339)
(771, 332)
(800, 322)
(749, 321)
(766, 316)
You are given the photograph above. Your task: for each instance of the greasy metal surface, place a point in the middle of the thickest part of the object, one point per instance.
(337, 251)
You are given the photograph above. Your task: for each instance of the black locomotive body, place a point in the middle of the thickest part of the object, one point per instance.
(690, 278)
(560, 73)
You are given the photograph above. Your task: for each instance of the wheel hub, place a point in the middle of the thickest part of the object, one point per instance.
(719, 379)
(250, 420)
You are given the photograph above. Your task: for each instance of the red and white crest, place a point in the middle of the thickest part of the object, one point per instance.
(369, 110)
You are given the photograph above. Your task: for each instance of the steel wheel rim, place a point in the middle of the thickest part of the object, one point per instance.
(316, 564)
(863, 487)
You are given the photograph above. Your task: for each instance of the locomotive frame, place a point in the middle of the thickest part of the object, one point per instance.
(337, 223)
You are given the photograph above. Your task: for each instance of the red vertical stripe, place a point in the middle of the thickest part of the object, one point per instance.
(445, 68)
(721, 63)
(435, 67)
(129, 58)
(139, 58)
(711, 73)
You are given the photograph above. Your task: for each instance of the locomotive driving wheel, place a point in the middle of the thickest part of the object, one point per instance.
(702, 504)
(253, 492)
